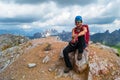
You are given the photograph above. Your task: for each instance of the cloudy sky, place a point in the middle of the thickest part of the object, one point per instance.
(100, 15)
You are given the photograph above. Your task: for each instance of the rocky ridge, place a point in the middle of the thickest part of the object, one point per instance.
(9, 40)
(44, 57)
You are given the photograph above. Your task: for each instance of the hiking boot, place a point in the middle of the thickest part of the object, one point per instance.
(79, 57)
(67, 70)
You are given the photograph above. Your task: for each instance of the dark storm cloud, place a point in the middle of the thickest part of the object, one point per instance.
(25, 1)
(30, 1)
(74, 2)
(17, 20)
(101, 20)
(59, 2)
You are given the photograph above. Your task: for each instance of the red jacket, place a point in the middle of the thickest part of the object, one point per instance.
(87, 35)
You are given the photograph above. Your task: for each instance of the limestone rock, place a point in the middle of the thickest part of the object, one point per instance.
(31, 65)
(46, 59)
(79, 65)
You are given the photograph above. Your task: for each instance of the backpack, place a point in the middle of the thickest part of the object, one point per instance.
(87, 35)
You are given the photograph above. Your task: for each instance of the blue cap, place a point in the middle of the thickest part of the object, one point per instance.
(78, 18)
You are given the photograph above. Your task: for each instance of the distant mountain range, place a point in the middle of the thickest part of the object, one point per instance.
(64, 36)
(20, 31)
(46, 33)
(107, 38)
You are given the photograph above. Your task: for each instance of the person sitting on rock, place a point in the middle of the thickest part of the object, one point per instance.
(78, 42)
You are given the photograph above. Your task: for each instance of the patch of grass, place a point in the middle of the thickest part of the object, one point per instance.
(118, 48)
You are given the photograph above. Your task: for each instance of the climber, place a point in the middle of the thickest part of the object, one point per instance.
(80, 38)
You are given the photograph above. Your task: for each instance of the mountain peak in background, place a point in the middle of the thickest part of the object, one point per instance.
(111, 39)
(49, 32)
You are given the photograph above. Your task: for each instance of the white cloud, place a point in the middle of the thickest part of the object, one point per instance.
(26, 27)
(49, 14)
(103, 27)
(13, 10)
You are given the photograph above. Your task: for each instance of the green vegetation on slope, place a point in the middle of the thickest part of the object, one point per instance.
(118, 48)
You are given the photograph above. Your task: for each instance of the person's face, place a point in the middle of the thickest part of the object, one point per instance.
(78, 23)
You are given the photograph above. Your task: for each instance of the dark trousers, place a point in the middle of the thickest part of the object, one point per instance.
(80, 45)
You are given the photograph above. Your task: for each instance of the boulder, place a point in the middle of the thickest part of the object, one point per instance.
(78, 65)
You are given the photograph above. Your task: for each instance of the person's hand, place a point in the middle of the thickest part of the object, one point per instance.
(74, 36)
(73, 40)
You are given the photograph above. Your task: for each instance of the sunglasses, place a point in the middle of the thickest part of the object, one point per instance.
(78, 22)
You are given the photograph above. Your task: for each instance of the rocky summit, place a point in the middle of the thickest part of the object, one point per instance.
(40, 59)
